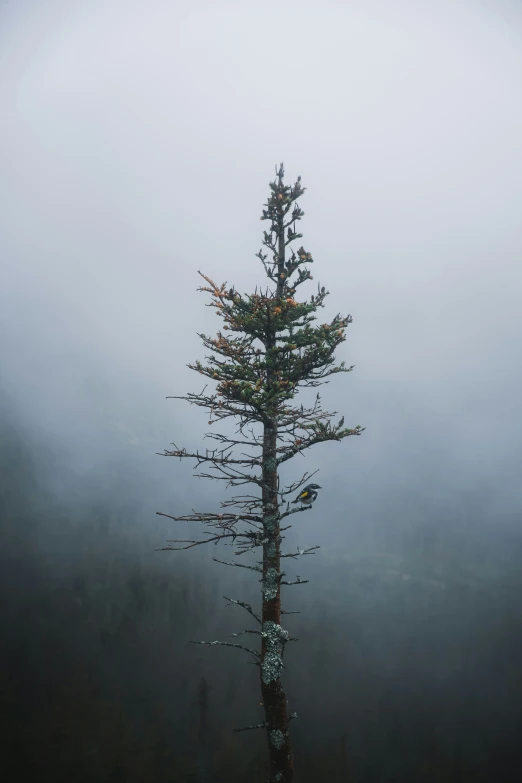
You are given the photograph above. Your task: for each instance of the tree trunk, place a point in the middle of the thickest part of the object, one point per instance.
(272, 642)
(274, 697)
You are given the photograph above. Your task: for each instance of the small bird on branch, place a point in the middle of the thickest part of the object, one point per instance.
(308, 495)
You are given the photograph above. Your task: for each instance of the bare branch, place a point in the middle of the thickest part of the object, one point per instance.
(230, 644)
(211, 517)
(248, 728)
(244, 605)
(238, 565)
(321, 435)
(298, 510)
(298, 581)
(209, 457)
(192, 543)
(299, 552)
(291, 488)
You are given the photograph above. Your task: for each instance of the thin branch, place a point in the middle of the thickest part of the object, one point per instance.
(298, 581)
(303, 507)
(248, 728)
(245, 606)
(291, 488)
(335, 434)
(230, 644)
(210, 517)
(192, 543)
(299, 552)
(201, 458)
(238, 565)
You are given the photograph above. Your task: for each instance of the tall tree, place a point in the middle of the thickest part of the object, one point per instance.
(267, 350)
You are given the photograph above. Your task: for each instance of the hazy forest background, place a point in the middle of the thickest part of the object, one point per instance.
(137, 141)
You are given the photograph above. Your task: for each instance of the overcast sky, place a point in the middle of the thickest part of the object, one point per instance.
(137, 140)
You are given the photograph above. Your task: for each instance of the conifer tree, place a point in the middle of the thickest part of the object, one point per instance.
(268, 349)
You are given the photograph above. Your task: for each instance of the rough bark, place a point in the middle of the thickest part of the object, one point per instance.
(274, 697)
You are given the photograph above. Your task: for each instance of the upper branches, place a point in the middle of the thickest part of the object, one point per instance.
(270, 345)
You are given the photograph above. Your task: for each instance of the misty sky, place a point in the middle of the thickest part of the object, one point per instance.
(137, 142)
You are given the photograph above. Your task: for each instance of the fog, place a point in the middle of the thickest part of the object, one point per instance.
(137, 142)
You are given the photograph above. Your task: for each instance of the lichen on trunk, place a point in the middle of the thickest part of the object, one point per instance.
(273, 635)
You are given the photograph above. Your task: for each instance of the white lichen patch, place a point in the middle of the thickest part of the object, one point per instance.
(272, 664)
(277, 739)
(271, 667)
(270, 584)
